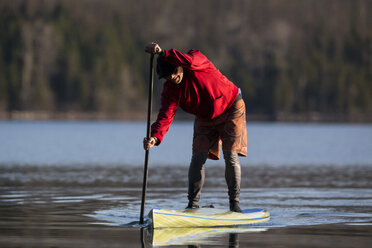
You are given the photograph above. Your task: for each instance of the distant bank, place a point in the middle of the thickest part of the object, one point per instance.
(138, 116)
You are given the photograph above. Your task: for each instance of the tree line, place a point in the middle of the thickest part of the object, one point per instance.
(288, 56)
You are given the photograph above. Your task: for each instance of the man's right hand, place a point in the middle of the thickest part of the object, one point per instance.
(153, 48)
(148, 143)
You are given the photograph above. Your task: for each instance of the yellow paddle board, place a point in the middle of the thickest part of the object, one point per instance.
(206, 217)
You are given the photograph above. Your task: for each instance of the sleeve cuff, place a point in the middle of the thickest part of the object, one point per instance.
(157, 140)
(164, 53)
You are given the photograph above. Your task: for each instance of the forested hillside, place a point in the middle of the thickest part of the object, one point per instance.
(289, 57)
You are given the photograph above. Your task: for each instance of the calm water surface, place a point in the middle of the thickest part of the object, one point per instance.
(119, 143)
(78, 184)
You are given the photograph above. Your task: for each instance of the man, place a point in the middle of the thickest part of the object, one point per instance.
(194, 84)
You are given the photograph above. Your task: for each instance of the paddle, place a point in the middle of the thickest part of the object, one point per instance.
(149, 110)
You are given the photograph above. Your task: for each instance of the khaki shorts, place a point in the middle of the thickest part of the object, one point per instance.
(229, 129)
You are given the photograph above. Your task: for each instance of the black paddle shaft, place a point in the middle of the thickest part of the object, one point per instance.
(149, 110)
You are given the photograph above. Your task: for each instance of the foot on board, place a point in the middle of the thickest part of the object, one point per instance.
(192, 206)
(234, 206)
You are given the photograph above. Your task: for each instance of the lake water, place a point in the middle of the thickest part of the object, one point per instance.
(120, 143)
(78, 184)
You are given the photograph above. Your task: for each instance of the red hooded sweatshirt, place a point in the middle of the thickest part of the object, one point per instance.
(203, 91)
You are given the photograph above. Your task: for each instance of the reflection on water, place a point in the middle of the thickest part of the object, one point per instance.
(196, 236)
(48, 215)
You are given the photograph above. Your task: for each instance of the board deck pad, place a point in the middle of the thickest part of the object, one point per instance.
(206, 217)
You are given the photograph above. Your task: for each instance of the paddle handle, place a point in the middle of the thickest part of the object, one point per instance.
(149, 110)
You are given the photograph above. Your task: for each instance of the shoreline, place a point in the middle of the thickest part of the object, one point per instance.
(315, 117)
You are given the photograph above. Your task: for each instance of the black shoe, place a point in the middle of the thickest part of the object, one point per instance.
(192, 206)
(234, 206)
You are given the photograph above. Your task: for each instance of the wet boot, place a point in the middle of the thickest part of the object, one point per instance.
(234, 206)
(233, 179)
(196, 178)
(192, 206)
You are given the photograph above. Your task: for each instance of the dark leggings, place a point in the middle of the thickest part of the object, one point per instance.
(197, 175)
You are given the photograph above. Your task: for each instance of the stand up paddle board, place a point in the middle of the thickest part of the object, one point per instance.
(206, 217)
